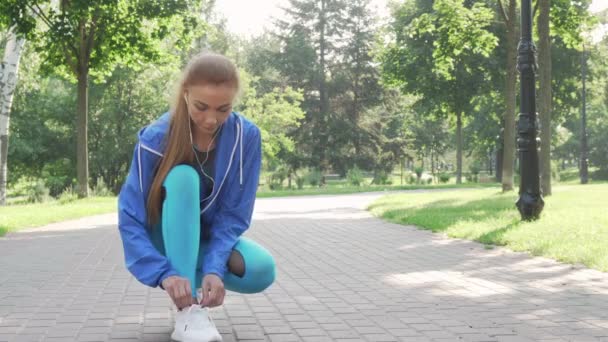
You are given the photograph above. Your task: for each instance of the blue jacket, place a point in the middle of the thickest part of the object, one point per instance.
(228, 211)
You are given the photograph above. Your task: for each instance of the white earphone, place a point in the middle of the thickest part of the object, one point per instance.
(200, 164)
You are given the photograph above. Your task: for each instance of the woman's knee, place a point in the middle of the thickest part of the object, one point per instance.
(182, 178)
(260, 268)
(262, 273)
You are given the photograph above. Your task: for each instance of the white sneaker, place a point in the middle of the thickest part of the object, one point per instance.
(194, 324)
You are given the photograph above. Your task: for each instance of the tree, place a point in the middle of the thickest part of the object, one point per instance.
(509, 16)
(277, 114)
(9, 70)
(544, 94)
(354, 88)
(562, 20)
(437, 54)
(81, 37)
(309, 45)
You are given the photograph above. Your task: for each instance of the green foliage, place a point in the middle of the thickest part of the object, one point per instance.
(457, 31)
(475, 168)
(129, 100)
(57, 175)
(382, 178)
(300, 182)
(115, 32)
(277, 177)
(418, 170)
(314, 177)
(355, 176)
(444, 177)
(101, 189)
(276, 113)
(67, 196)
(37, 192)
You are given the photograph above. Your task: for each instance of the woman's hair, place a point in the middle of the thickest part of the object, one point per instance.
(203, 69)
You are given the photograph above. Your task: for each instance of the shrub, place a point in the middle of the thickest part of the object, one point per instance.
(300, 182)
(101, 189)
(475, 168)
(355, 176)
(57, 176)
(37, 192)
(67, 196)
(314, 177)
(418, 171)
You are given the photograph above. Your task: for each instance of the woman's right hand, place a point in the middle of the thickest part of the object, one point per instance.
(179, 290)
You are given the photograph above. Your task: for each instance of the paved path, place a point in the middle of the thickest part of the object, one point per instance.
(342, 276)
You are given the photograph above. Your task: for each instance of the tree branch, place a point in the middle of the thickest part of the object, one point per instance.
(40, 14)
(90, 40)
(503, 14)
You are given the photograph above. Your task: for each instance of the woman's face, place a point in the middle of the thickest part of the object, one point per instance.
(209, 105)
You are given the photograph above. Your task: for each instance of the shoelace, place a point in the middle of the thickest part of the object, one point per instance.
(198, 317)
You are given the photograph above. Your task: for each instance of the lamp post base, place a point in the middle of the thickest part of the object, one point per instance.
(530, 206)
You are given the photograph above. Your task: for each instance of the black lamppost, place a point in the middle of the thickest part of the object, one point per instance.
(584, 170)
(530, 202)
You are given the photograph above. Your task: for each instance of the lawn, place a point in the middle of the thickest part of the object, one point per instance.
(573, 226)
(14, 217)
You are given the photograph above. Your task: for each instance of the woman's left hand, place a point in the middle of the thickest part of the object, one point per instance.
(213, 291)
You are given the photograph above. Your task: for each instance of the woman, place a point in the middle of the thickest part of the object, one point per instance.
(189, 196)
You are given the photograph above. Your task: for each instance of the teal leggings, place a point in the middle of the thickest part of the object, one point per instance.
(182, 245)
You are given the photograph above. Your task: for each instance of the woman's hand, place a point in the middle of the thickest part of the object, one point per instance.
(213, 291)
(179, 290)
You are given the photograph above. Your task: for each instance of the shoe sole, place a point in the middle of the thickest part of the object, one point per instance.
(176, 338)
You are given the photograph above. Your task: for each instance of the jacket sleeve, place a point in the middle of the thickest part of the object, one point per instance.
(142, 258)
(235, 210)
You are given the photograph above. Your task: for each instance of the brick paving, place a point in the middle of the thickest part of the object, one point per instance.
(342, 276)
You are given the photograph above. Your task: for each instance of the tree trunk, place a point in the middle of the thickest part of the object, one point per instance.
(499, 160)
(401, 162)
(432, 164)
(544, 94)
(323, 106)
(9, 70)
(82, 153)
(458, 147)
(508, 153)
(584, 165)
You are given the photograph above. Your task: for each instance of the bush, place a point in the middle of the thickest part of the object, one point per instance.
(418, 171)
(599, 174)
(411, 179)
(382, 178)
(475, 168)
(355, 176)
(37, 192)
(314, 177)
(67, 196)
(57, 176)
(429, 180)
(444, 177)
(300, 182)
(100, 189)
(19, 188)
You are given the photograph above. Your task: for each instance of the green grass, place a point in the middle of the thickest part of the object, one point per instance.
(573, 227)
(15, 217)
(338, 189)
